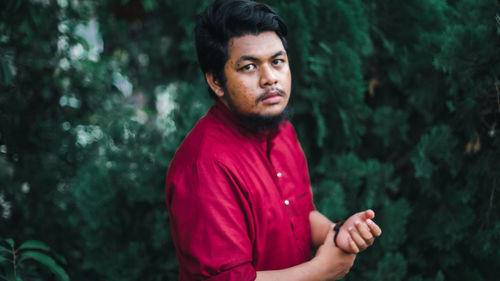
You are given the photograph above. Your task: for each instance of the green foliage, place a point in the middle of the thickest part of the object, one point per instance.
(15, 260)
(391, 267)
(395, 104)
(437, 146)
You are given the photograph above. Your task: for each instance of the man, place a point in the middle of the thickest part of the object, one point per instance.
(238, 189)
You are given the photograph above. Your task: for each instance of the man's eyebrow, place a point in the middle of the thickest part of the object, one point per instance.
(280, 53)
(244, 58)
(254, 59)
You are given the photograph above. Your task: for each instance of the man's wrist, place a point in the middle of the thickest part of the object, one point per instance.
(336, 228)
(317, 268)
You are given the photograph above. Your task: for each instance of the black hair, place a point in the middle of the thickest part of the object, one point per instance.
(225, 19)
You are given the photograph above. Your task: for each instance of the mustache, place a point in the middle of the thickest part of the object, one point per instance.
(271, 92)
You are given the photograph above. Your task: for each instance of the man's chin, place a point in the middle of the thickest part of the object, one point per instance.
(261, 123)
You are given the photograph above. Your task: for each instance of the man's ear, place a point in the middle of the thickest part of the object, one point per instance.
(214, 84)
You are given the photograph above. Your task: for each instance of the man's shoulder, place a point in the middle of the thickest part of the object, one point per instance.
(209, 140)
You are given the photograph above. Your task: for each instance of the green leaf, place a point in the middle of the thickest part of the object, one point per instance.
(10, 242)
(47, 261)
(2, 259)
(32, 244)
(3, 249)
(60, 258)
(325, 47)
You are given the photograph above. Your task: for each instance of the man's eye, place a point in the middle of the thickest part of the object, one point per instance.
(248, 67)
(278, 62)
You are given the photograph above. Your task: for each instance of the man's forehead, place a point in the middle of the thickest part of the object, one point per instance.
(263, 45)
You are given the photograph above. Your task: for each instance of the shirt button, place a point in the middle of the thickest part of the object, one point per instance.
(287, 202)
(279, 174)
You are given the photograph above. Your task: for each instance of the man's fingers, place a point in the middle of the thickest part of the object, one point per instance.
(364, 231)
(360, 242)
(354, 247)
(369, 214)
(374, 229)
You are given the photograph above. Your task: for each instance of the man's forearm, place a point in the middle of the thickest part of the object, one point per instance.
(320, 225)
(330, 263)
(307, 271)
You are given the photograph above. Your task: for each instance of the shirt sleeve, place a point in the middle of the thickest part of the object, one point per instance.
(210, 223)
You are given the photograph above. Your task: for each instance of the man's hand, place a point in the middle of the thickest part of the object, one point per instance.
(332, 262)
(358, 232)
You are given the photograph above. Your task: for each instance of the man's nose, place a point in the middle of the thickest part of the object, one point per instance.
(268, 76)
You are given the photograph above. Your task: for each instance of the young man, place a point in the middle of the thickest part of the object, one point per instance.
(238, 189)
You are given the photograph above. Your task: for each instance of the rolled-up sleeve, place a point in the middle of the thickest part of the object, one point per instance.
(211, 223)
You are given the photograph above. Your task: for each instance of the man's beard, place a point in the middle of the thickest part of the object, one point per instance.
(260, 124)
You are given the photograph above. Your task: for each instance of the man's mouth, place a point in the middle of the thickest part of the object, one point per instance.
(272, 96)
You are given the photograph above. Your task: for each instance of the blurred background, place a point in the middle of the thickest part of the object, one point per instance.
(396, 105)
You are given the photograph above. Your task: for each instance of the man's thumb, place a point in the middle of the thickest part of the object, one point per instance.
(330, 235)
(369, 214)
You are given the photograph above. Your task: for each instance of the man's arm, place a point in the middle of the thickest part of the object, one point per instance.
(330, 263)
(320, 225)
(357, 233)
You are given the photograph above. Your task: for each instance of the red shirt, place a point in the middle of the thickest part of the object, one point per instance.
(238, 202)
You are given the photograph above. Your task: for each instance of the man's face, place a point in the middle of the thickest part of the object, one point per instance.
(258, 79)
